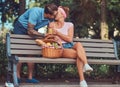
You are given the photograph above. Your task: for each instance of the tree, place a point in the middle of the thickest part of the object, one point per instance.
(9, 11)
(84, 14)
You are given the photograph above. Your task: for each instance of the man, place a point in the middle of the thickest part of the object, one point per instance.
(29, 23)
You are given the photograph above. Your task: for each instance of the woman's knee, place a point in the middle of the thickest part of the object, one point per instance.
(78, 44)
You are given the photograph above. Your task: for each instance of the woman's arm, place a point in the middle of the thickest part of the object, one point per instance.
(67, 38)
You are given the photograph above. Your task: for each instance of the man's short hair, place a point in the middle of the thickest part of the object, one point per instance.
(50, 8)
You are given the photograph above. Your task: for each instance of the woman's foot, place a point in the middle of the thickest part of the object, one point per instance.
(83, 83)
(87, 68)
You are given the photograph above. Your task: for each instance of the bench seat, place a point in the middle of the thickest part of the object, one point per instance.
(66, 60)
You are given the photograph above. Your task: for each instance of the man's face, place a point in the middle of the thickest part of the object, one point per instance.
(52, 16)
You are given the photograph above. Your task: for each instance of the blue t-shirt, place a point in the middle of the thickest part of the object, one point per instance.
(34, 16)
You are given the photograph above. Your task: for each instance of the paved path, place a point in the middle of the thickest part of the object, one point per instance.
(67, 84)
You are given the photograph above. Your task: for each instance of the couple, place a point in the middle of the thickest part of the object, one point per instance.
(64, 30)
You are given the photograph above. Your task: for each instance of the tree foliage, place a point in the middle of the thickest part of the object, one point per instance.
(9, 10)
(83, 13)
(113, 16)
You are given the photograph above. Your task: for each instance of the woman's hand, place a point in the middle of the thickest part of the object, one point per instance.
(55, 31)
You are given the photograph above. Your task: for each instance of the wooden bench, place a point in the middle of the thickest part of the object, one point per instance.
(97, 51)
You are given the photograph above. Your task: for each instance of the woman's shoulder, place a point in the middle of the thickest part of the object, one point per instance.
(69, 23)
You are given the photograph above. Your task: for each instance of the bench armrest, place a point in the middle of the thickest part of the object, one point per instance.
(8, 52)
(116, 49)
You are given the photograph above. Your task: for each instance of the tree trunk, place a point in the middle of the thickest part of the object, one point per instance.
(104, 26)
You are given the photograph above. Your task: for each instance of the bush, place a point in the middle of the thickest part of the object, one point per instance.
(3, 58)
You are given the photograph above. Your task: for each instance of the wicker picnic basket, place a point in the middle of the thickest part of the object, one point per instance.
(50, 51)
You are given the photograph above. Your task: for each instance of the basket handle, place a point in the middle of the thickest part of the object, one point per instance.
(53, 38)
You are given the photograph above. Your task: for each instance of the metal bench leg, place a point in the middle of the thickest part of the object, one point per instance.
(116, 74)
(9, 70)
(15, 75)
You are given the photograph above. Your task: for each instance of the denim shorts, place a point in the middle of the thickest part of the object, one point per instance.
(19, 29)
(68, 45)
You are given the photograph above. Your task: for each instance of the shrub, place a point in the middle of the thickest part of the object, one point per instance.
(3, 58)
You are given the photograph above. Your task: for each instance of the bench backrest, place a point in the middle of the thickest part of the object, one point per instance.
(26, 45)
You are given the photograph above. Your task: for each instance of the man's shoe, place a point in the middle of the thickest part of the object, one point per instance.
(32, 80)
(87, 68)
(19, 80)
(83, 84)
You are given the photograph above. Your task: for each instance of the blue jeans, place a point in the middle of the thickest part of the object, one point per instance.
(68, 45)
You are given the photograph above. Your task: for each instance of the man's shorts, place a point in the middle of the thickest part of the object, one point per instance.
(19, 29)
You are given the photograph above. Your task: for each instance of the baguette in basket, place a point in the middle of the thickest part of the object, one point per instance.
(51, 47)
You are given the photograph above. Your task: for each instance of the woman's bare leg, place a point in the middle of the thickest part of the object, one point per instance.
(80, 65)
(80, 69)
(80, 52)
(82, 56)
(71, 53)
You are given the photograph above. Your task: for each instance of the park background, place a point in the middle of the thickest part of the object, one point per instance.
(98, 19)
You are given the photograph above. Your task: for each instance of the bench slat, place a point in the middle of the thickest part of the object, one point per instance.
(23, 36)
(26, 41)
(104, 55)
(38, 52)
(26, 52)
(22, 41)
(66, 60)
(30, 47)
(19, 36)
(104, 50)
(75, 39)
(25, 47)
(92, 40)
(103, 45)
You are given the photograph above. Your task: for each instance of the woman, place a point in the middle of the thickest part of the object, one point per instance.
(64, 30)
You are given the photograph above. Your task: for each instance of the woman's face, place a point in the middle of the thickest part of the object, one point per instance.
(59, 16)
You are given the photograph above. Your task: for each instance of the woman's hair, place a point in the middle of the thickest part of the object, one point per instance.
(50, 8)
(66, 9)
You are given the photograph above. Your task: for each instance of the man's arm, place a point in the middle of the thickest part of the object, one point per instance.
(33, 32)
